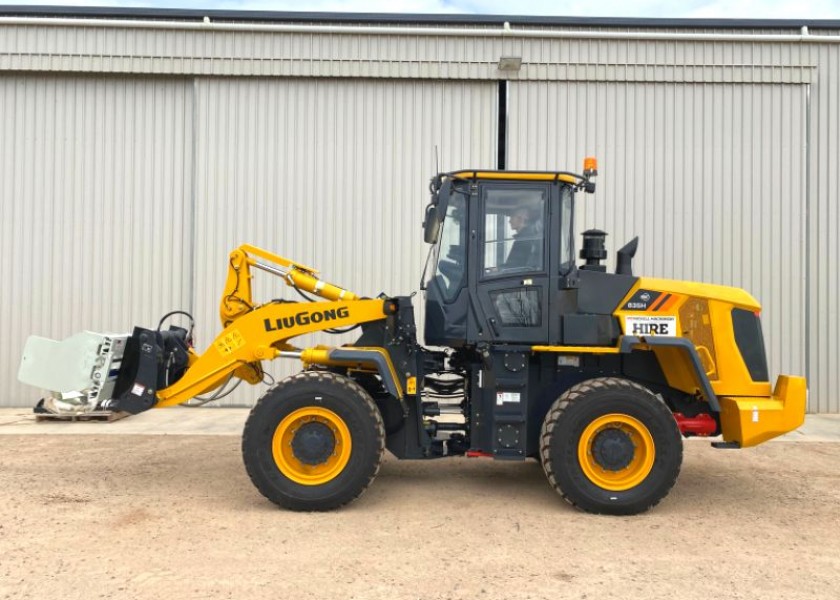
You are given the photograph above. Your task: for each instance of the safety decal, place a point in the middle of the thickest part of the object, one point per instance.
(507, 397)
(230, 343)
(643, 326)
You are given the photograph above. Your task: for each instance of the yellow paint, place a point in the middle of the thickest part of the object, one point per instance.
(275, 258)
(728, 373)
(288, 463)
(517, 176)
(722, 293)
(577, 349)
(753, 420)
(317, 355)
(640, 465)
(706, 358)
(678, 368)
(741, 399)
(212, 369)
(237, 297)
(321, 355)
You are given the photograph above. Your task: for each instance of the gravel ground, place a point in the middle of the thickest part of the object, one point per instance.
(176, 517)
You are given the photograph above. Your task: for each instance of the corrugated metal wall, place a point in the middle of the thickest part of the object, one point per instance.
(124, 197)
(710, 176)
(700, 141)
(95, 216)
(330, 173)
(209, 51)
(823, 242)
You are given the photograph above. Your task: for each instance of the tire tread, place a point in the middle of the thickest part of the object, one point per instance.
(576, 394)
(354, 393)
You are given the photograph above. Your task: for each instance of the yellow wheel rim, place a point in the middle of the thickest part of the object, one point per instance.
(322, 465)
(625, 476)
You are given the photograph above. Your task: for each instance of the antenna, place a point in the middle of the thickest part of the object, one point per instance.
(437, 160)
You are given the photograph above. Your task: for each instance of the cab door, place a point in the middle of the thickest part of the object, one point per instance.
(510, 274)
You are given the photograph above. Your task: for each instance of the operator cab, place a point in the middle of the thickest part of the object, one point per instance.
(502, 268)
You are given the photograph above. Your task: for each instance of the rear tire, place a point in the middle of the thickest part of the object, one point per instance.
(610, 446)
(313, 442)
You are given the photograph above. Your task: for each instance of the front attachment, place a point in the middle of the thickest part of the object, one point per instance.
(79, 372)
(97, 372)
(153, 360)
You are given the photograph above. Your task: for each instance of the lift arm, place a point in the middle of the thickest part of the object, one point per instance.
(264, 334)
(253, 333)
(237, 299)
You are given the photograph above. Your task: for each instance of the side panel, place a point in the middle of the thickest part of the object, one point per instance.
(502, 395)
(698, 318)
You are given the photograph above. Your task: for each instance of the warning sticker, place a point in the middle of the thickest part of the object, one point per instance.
(230, 343)
(507, 397)
(643, 326)
(138, 389)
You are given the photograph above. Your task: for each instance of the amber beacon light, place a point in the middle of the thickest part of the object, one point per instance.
(590, 166)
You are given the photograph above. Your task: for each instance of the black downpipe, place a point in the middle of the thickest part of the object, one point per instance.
(501, 159)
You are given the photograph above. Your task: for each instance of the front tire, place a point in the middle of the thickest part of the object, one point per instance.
(313, 442)
(610, 446)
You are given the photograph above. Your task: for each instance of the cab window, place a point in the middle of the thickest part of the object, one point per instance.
(451, 259)
(567, 231)
(514, 226)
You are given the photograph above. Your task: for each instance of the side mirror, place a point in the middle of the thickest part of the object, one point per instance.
(431, 225)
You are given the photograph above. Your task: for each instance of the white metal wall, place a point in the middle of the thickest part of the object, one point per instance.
(76, 147)
(98, 226)
(227, 50)
(94, 208)
(823, 243)
(330, 173)
(710, 176)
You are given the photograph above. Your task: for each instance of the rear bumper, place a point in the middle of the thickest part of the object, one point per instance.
(750, 421)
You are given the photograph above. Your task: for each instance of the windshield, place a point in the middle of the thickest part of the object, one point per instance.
(450, 258)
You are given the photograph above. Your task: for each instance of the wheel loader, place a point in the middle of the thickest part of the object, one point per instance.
(528, 353)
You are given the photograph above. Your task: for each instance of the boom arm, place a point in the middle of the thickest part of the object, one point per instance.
(255, 333)
(237, 301)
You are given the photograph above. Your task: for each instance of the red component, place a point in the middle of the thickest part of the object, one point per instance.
(703, 424)
(479, 454)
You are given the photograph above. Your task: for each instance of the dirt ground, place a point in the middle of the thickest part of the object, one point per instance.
(176, 517)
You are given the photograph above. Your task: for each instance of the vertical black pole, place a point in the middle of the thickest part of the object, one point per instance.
(501, 159)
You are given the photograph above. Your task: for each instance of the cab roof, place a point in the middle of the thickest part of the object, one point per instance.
(564, 176)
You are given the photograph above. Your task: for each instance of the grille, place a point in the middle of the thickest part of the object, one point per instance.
(697, 327)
